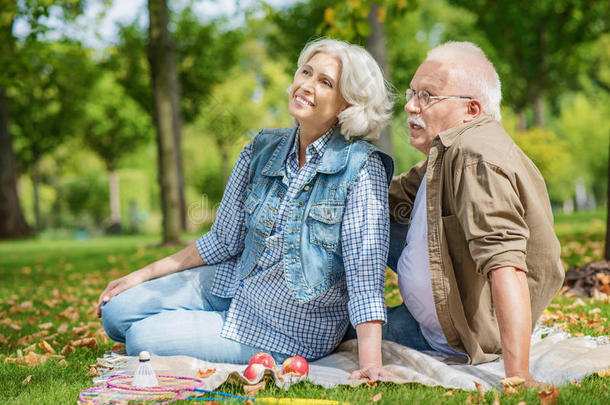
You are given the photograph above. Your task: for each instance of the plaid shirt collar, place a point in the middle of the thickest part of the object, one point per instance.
(313, 153)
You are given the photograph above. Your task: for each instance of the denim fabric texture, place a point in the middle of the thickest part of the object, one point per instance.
(176, 315)
(314, 242)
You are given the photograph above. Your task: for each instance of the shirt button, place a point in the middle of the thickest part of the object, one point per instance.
(306, 188)
(301, 203)
(294, 260)
(292, 245)
(297, 217)
(294, 230)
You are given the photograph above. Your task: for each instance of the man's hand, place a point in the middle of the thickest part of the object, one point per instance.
(511, 300)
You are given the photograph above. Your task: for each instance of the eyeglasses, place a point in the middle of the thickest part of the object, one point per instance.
(424, 97)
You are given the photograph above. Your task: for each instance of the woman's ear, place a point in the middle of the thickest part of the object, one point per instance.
(474, 110)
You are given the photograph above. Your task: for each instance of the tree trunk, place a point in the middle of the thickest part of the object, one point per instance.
(376, 45)
(177, 127)
(607, 254)
(160, 55)
(539, 108)
(36, 189)
(522, 121)
(12, 221)
(115, 200)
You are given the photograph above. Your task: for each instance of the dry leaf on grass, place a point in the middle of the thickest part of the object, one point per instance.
(496, 398)
(92, 372)
(62, 363)
(47, 325)
(252, 389)
(67, 350)
(376, 398)
(511, 384)
(85, 342)
(370, 383)
(63, 328)
(604, 373)
(27, 380)
(205, 373)
(549, 396)
(46, 347)
(449, 393)
(79, 330)
(117, 347)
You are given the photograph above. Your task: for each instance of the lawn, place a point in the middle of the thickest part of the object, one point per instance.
(48, 289)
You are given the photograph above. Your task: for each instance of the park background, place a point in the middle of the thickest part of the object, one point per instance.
(120, 123)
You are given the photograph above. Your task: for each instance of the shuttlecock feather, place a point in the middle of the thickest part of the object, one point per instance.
(145, 375)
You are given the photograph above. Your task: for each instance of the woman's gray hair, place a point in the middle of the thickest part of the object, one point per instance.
(361, 84)
(473, 71)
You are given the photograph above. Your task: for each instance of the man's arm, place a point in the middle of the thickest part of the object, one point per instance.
(511, 299)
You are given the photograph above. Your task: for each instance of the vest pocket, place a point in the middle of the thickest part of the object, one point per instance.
(325, 223)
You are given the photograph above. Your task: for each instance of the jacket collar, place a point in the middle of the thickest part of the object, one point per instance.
(449, 136)
(333, 160)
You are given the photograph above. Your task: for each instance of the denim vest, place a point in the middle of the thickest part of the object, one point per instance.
(312, 235)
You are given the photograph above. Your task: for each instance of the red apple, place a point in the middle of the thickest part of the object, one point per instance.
(254, 371)
(295, 365)
(263, 358)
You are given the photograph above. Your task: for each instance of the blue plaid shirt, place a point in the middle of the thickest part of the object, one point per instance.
(263, 313)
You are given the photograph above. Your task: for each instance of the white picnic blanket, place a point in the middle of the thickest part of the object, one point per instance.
(558, 358)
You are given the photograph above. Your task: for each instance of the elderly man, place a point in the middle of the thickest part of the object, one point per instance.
(472, 234)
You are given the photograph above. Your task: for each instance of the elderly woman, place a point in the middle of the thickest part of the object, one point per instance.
(299, 244)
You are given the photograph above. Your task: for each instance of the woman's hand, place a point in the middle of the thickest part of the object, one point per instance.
(119, 285)
(371, 372)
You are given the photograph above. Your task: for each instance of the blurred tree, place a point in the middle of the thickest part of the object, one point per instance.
(35, 14)
(115, 125)
(536, 39)
(166, 95)
(46, 102)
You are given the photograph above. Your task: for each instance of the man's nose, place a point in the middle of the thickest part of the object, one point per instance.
(412, 106)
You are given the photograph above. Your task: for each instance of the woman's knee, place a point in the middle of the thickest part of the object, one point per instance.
(115, 319)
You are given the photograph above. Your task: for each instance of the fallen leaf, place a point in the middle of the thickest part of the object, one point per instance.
(578, 334)
(604, 373)
(449, 393)
(521, 403)
(376, 398)
(482, 391)
(117, 347)
(47, 325)
(472, 399)
(575, 384)
(31, 359)
(67, 349)
(370, 383)
(577, 303)
(510, 384)
(549, 396)
(63, 328)
(496, 399)
(79, 330)
(27, 380)
(205, 373)
(594, 311)
(85, 342)
(62, 363)
(252, 389)
(46, 347)
(15, 326)
(92, 372)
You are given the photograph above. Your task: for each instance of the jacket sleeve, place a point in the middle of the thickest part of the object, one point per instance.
(489, 209)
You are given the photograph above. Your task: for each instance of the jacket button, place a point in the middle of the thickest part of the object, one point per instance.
(292, 245)
(306, 188)
(294, 260)
(300, 203)
(297, 217)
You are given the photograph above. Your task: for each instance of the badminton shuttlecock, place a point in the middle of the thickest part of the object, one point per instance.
(145, 375)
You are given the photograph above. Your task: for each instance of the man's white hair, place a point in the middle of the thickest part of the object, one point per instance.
(361, 84)
(474, 73)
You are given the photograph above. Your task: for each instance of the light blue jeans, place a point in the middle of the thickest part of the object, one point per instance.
(176, 315)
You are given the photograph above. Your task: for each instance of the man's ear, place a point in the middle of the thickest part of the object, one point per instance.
(474, 110)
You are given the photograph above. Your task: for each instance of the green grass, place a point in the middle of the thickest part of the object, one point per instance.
(56, 275)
